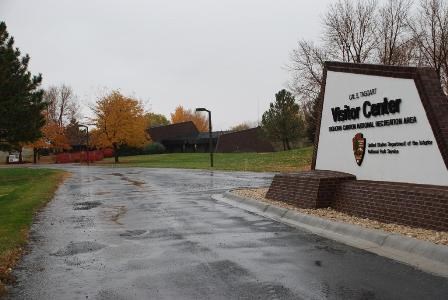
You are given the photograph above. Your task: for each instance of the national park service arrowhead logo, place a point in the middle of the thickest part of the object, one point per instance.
(359, 147)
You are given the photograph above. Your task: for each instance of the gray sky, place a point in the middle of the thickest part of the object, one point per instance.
(227, 55)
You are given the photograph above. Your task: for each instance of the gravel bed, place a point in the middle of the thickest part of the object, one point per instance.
(436, 237)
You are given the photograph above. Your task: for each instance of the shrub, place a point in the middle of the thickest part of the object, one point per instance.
(154, 148)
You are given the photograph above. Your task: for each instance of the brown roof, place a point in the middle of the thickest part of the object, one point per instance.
(176, 131)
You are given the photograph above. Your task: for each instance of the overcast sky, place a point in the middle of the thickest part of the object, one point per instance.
(228, 56)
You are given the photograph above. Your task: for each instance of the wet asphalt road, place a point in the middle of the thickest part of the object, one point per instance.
(157, 234)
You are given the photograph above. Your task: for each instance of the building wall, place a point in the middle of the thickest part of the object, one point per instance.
(250, 140)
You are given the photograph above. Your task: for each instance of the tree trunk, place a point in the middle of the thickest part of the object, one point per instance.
(20, 156)
(35, 155)
(287, 144)
(116, 153)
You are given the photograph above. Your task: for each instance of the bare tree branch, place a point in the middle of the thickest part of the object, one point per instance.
(430, 31)
(395, 44)
(349, 30)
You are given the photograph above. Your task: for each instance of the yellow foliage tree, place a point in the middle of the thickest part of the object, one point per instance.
(183, 115)
(119, 121)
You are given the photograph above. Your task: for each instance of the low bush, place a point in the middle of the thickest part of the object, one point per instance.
(154, 148)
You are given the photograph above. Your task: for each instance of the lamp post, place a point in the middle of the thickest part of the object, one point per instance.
(210, 140)
(87, 144)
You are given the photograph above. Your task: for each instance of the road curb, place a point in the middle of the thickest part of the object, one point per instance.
(423, 255)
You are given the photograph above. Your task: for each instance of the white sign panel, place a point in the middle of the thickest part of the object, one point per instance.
(376, 128)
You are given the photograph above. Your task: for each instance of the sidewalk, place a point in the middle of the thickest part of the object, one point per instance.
(423, 255)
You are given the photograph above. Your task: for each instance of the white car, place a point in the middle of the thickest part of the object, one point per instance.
(13, 158)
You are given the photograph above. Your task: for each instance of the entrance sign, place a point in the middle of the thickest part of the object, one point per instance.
(381, 147)
(377, 128)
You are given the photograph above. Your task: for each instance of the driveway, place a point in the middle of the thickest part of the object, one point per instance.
(116, 233)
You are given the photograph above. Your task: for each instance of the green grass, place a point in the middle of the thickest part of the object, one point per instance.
(284, 161)
(22, 192)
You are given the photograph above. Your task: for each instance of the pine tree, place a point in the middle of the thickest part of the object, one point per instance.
(21, 103)
(281, 122)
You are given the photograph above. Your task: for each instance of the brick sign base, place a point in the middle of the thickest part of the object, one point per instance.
(416, 205)
(310, 189)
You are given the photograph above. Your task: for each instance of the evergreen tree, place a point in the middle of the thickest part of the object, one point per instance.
(281, 121)
(75, 136)
(311, 118)
(21, 103)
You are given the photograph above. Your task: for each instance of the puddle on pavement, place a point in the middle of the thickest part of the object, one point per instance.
(132, 233)
(166, 234)
(82, 221)
(86, 205)
(74, 261)
(115, 174)
(114, 213)
(331, 249)
(74, 248)
(102, 193)
(132, 181)
(192, 247)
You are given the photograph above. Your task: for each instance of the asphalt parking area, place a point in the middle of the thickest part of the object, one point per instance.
(116, 233)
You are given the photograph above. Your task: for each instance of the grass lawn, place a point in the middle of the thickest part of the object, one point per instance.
(284, 161)
(22, 192)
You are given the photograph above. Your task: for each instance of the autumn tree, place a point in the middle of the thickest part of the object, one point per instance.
(281, 122)
(52, 136)
(183, 115)
(36, 146)
(21, 102)
(119, 121)
(156, 119)
(61, 110)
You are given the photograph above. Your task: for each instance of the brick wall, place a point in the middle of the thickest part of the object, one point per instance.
(417, 205)
(402, 203)
(309, 189)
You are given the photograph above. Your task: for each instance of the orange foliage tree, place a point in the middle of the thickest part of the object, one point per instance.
(183, 115)
(53, 136)
(119, 121)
